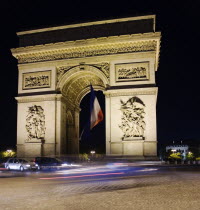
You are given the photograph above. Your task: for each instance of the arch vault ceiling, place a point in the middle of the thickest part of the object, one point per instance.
(78, 86)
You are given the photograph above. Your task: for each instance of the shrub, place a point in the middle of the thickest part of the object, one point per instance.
(175, 156)
(190, 156)
(7, 154)
(84, 157)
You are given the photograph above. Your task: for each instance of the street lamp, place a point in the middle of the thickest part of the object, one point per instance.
(9, 150)
(92, 152)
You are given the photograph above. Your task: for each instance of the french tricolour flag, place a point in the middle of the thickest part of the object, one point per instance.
(96, 114)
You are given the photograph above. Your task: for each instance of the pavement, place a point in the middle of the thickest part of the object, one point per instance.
(171, 189)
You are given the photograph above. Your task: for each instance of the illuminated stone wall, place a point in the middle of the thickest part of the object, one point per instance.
(54, 77)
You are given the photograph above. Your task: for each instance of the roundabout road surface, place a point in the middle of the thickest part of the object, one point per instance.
(109, 186)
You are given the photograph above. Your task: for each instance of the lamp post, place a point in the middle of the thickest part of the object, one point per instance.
(92, 152)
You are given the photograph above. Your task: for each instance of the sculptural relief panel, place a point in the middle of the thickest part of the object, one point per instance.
(35, 123)
(132, 120)
(132, 71)
(41, 79)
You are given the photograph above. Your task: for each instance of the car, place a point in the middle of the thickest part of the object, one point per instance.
(49, 163)
(20, 164)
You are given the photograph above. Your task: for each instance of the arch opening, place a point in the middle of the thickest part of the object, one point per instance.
(92, 139)
(75, 88)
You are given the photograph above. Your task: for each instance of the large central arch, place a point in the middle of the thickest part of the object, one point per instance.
(74, 84)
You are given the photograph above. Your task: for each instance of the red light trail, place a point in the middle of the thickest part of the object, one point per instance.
(88, 175)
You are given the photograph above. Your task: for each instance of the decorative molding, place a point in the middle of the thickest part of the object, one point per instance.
(132, 120)
(130, 93)
(33, 80)
(61, 70)
(35, 123)
(86, 51)
(131, 71)
(103, 67)
(27, 99)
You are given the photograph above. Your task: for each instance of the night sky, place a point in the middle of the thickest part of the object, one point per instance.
(178, 112)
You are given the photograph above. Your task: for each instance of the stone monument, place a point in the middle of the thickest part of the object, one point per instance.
(56, 66)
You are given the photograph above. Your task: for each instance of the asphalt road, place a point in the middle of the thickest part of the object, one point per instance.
(105, 186)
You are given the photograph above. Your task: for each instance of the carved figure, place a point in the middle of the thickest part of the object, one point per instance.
(33, 81)
(131, 73)
(35, 122)
(133, 124)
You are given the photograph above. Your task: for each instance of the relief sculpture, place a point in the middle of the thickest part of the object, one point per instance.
(132, 71)
(139, 72)
(132, 121)
(36, 80)
(35, 123)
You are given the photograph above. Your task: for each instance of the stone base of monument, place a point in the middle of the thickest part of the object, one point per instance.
(138, 148)
(33, 149)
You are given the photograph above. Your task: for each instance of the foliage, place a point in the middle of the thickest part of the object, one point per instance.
(175, 156)
(198, 158)
(84, 157)
(190, 156)
(7, 154)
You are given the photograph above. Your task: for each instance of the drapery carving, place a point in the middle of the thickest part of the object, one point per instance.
(35, 123)
(132, 121)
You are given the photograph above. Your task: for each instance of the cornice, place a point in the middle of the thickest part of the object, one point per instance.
(131, 92)
(86, 42)
(26, 99)
(89, 51)
(88, 47)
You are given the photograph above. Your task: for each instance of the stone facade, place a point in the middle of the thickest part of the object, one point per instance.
(54, 77)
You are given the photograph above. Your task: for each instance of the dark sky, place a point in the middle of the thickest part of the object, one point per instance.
(178, 113)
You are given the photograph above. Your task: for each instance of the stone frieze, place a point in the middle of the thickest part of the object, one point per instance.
(36, 80)
(132, 71)
(88, 51)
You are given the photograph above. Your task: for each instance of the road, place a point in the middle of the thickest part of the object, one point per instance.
(105, 186)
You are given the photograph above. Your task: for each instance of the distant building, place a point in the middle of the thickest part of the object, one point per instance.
(183, 149)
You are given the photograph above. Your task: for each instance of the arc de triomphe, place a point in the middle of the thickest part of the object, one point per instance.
(56, 66)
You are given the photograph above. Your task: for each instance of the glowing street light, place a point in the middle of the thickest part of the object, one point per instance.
(9, 150)
(92, 152)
